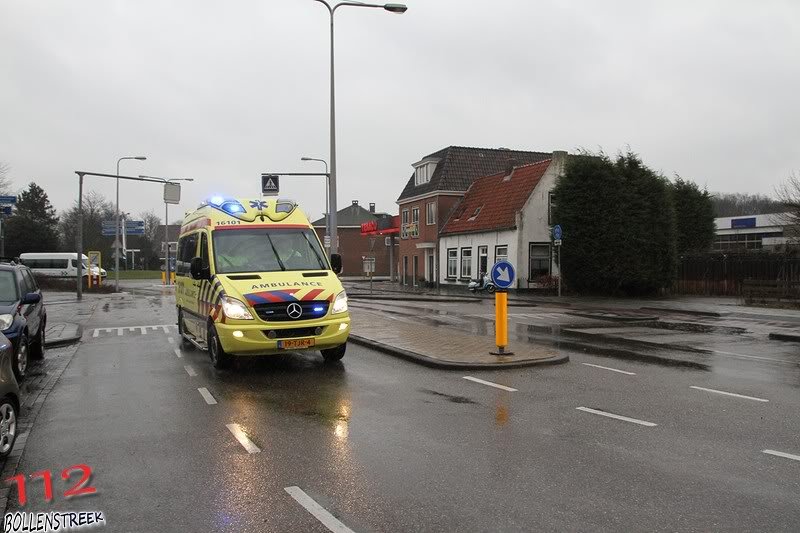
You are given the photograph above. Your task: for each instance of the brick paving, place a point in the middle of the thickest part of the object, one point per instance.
(441, 344)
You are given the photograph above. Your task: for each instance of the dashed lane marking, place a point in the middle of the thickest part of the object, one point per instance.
(715, 391)
(166, 328)
(617, 417)
(783, 454)
(170, 340)
(190, 370)
(241, 436)
(611, 369)
(178, 352)
(210, 400)
(490, 384)
(317, 511)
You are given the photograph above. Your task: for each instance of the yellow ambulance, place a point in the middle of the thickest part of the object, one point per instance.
(253, 279)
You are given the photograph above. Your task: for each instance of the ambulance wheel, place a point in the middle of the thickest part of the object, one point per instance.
(219, 359)
(334, 354)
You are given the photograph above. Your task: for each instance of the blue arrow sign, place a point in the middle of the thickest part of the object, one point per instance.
(503, 274)
(134, 231)
(557, 233)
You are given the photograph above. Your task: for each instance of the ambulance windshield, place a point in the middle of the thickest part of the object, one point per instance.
(267, 250)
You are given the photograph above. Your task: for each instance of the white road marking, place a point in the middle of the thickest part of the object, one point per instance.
(119, 332)
(729, 394)
(210, 400)
(612, 369)
(618, 417)
(142, 329)
(782, 454)
(241, 436)
(317, 511)
(170, 340)
(489, 383)
(178, 352)
(96, 333)
(190, 370)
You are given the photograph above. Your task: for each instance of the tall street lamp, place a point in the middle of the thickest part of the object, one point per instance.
(116, 220)
(166, 221)
(327, 191)
(392, 8)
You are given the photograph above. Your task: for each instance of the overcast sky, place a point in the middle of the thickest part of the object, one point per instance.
(224, 90)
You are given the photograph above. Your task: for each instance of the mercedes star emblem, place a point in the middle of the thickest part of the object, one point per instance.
(294, 311)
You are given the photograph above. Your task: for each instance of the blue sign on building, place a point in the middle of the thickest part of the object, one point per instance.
(740, 223)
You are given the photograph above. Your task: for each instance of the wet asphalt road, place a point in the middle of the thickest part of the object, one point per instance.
(385, 445)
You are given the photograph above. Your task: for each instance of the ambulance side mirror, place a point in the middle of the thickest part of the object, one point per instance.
(336, 263)
(197, 270)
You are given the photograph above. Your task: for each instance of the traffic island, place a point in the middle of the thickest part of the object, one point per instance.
(62, 334)
(443, 348)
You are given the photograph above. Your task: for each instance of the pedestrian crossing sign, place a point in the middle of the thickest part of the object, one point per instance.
(269, 185)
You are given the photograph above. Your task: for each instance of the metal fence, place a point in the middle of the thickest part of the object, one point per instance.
(724, 274)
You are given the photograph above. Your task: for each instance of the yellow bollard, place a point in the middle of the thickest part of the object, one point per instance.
(163, 278)
(172, 277)
(501, 323)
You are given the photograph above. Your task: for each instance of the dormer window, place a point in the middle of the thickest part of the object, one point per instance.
(476, 213)
(423, 171)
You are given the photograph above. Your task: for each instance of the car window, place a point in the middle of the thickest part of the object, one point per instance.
(8, 287)
(29, 280)
(204, 249)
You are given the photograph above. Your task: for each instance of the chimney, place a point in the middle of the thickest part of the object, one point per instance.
(355, 202)
(559, 160)
(371, 207)
(510, 164)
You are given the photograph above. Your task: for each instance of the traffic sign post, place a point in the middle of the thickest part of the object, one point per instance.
(503, 276)
(269, 185)
(557, 234)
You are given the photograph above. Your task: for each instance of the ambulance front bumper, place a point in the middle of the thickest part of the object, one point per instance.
(254, 338)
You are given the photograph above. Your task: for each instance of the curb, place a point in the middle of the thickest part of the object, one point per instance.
(410, 298)
(64, 341)
(685, 311)
(788, 337)
(451, 365)
(636, 343)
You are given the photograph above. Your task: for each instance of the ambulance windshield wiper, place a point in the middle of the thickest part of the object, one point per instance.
(321, 262)
(275, 252)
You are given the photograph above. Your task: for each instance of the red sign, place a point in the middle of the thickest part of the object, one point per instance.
(381, 226)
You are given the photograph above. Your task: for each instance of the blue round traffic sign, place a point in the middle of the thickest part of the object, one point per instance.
(503, 274)
(557, 232)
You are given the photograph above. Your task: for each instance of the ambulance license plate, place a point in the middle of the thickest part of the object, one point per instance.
(295, 344)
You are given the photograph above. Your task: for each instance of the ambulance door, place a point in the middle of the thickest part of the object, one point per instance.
(205, 289)
(188, 287)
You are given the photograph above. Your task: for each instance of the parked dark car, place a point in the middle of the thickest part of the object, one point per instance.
(23, 317)
(9, 398)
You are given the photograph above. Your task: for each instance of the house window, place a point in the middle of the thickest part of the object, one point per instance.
(415, 271)
(466, 262)
(452, 263)
(551, 203)
(501, 253)
(421, 175)
(430, 213)
(404, 224)
(483, 259)
(476, 213)
(405, 270)
(539, 258)
(414, 228)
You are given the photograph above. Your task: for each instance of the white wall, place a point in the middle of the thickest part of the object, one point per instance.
(473, 241)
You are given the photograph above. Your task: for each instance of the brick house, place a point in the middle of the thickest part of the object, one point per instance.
(439, 181)
(355, 247)
(504, 216)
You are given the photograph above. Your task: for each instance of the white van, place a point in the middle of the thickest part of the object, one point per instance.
(58, 264)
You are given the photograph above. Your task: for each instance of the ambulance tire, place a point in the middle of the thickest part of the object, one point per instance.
(219, 359)
(334, 354)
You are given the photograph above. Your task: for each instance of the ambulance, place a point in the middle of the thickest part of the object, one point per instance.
(253, 279)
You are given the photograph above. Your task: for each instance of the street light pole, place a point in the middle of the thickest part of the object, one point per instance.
(392, 8)
(327, 194)
(116, 219)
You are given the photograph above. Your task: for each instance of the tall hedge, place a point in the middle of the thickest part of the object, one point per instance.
(694, 217)
(619, 228)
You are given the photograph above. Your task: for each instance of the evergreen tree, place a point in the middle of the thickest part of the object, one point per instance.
(34, 225)
(619, 225)
(96, 209)
(694, 217)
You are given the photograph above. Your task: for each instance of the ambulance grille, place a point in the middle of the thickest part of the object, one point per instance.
(279, 312)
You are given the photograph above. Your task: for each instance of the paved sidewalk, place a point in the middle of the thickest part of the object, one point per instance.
(62, 333)
(442, 347)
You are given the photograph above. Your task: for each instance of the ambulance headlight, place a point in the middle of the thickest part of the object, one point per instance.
(340, 303)
(235, 309)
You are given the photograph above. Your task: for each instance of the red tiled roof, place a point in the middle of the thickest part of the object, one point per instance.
(498, 199)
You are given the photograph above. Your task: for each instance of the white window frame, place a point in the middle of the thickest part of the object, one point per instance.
(404, 224)
(497, 256)
(430, 213)
(452, 263)
(540, 258)
(468, 257)
(483, 251)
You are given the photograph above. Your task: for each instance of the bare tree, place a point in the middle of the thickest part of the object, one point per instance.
(5, 180)
(789, 195)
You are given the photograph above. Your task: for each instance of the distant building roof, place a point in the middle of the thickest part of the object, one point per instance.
(352, 215)
(458, 166)
(492, 202)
